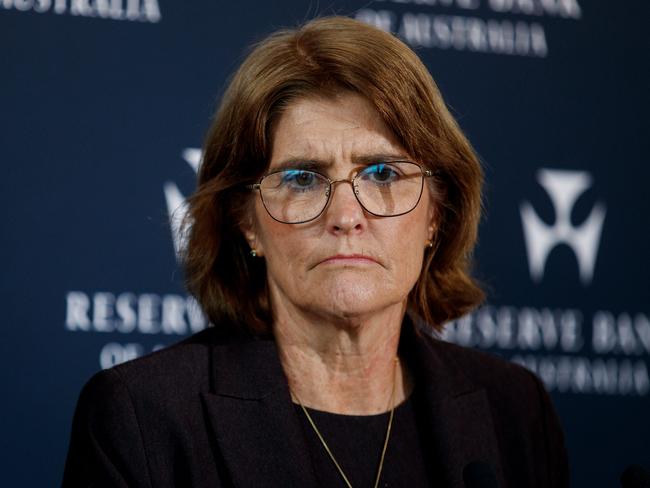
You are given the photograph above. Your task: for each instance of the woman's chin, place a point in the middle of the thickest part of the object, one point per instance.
(355, 300)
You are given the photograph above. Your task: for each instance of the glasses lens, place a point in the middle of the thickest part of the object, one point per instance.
(294, 195)
(388, 189)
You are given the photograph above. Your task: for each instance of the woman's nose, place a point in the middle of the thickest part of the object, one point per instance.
(344, 213)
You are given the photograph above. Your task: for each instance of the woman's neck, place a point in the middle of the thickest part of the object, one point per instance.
(345, 366)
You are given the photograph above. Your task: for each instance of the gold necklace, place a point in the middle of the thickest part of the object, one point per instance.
(383, 450)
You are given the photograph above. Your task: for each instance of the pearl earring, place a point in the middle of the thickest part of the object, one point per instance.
(254, 253)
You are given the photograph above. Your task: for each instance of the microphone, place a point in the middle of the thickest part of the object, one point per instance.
(635, 476)
(479, 474)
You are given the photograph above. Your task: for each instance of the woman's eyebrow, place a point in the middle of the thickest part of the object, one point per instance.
(302, 163)
(380, 158)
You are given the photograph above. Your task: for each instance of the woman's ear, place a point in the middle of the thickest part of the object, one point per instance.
(436, 213)
(248, 229)
(432, 218)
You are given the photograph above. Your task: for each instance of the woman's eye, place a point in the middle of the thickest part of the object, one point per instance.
(381, 173)
(299, 179)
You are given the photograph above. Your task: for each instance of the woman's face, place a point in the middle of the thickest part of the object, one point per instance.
(346, 263)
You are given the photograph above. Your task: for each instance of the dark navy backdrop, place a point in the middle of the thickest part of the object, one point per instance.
(103, 107)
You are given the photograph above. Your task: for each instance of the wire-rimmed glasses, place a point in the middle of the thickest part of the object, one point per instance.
(387, 189)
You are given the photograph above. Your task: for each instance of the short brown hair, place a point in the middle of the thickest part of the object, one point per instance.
(324, 57)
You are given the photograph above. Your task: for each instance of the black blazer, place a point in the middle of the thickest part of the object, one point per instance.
(215, 411)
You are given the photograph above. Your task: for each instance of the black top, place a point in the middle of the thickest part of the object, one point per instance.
(356, 442)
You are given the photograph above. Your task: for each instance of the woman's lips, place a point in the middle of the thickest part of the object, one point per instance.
(349, 259)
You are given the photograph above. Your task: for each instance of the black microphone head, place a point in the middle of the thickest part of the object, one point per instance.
(479, 474)
(635, 476)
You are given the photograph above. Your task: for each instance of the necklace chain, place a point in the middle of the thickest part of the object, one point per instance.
(386, 437)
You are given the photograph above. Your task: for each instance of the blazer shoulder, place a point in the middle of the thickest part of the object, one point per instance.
(135, 413)
(489, 370)
(181, 367)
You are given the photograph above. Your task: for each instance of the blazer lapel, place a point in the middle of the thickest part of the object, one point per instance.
(253, 419)
(458, 417)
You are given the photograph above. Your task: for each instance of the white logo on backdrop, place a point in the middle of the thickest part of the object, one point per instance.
(563, 187)
(502, 27)
(144, 314)
(130, 10)
(176, 203)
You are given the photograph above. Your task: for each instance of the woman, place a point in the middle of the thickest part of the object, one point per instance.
(336, 195)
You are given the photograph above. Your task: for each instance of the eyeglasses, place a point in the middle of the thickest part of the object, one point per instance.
(296, 196)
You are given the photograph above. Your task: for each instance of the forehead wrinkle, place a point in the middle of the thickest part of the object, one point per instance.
(350, 148)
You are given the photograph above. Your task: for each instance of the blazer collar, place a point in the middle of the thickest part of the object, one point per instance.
(261, 441)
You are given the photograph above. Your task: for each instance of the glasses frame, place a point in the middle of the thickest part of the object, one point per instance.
(425, 173)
